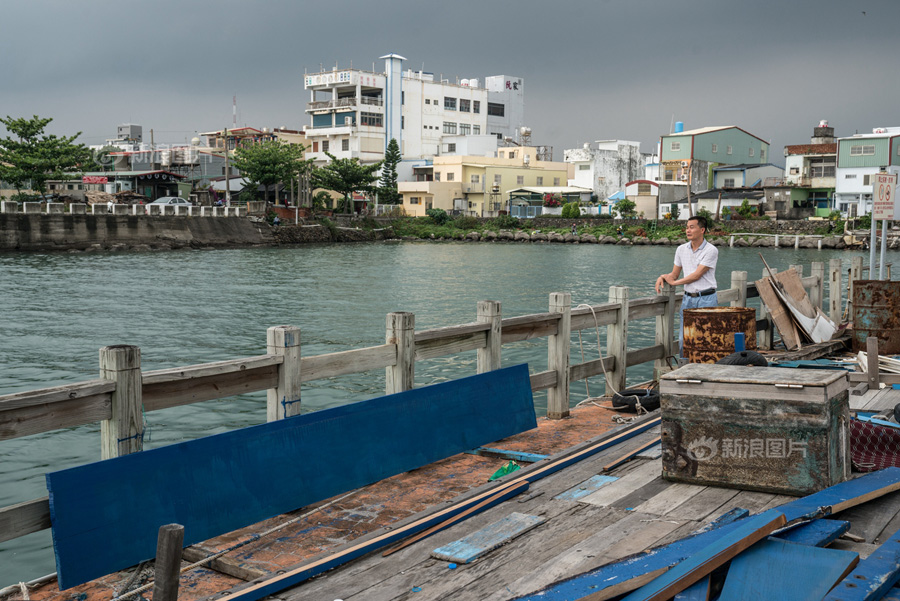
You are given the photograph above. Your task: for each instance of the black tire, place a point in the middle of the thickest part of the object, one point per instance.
(627, 400)
(744, 358)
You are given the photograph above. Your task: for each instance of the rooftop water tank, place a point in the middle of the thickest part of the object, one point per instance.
(679, 127)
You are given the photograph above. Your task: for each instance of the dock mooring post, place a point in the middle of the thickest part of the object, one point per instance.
(123, 432)
(767, 335)
(284, 400)
(169, 543)
(401, 331)
(873, 377)
(665, 331)
(739, 283)
(834, 290)
(617, 340)
(488, 358)
(816, 293)
(558, 355)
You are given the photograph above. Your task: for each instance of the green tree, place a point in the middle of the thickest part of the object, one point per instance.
(387, 193)
(625, 208)
(270, 163)
(570, 210)
(30, 155)
(346, 176)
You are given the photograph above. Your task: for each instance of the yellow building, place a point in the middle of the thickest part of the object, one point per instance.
(478, 186)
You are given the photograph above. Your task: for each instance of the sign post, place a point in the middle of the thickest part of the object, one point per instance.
(885, 206)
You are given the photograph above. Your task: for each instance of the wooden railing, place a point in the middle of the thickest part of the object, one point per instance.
(123, 391)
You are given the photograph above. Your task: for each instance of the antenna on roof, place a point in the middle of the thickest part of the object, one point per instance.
(672, 124)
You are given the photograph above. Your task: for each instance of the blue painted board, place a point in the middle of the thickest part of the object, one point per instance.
(590, 485)
(738, 513)
(506, 454)
(817, 533)
(217, 484)
(704, 561)
(880, 422)
(873, 577)
(699, 591)
(487, 539)
(844, 495)
(777, 569)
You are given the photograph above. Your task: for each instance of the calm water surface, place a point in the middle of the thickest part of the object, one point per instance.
(189, 307)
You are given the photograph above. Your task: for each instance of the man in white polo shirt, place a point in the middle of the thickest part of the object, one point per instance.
(697, 259)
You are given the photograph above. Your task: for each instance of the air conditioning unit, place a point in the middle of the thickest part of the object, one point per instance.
(684, 177)
(684, 163)
(348, 121)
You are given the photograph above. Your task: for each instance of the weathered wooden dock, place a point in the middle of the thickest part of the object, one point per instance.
(582, 528)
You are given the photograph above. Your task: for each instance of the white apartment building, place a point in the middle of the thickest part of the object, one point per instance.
(606, 167)
(858, 158)
(354, 113)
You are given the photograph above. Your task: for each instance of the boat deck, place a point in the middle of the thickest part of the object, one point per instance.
(584, 526)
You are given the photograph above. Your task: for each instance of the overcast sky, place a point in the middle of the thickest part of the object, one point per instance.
(593, 69)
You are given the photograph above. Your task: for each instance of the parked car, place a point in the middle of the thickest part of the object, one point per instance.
(172, 201)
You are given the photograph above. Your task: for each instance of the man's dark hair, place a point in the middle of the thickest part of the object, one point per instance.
(701, 221)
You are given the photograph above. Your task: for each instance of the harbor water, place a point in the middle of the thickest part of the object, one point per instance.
(188, 307)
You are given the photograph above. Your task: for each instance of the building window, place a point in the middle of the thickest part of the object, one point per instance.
(752, 152)
(729, 182)
(449, 103)
(449, 128)
(476, 130)
(540, 181)
(728, 150)
(476, 106)
(850, 176)
(498, 178)
(520, 180)
(512, 154)
(498, 134)
(402, 122)
(371, 119)
(324, 145)
(675, 146)
(413, 200)
(584, 167)
(345, 144)
(70, 187)
(465, 129)
(644, 189)
(437, 176)
(495, 109)
(402, 97)
(795, 171)
(762, 154)
(315, 147)
(450, 148)
(476, 178)
(862, 150)
(715, 148)
(555, 181)
(428, 101)
(669, 176)
(821, 167)
(465, 105)
(451, 176)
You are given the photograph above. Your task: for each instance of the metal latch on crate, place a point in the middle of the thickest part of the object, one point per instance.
(689, 381)
(789, 386)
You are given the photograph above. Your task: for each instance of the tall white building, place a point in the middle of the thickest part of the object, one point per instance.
(354, 113)
(607, 166)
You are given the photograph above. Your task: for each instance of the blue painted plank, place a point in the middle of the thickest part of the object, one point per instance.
(699, 591)
(817, 533)
(505, 454)
(844, 495)
(707, 559)
(777, 569)
(217, 484)
(880, 422)
(590, 485)
(873, 577)
(487, 539)
(738, 513)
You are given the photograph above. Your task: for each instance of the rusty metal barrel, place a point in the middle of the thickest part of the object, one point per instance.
(709, 332)
(876, 312)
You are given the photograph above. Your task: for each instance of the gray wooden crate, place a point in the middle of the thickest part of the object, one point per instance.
(756, 428)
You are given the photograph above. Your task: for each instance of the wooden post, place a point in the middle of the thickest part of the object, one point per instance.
(401, 331)
(558, 356)
(798, 269)
(817, 292)
(617, 340)
(796, 242)
(284, 400)
(169, 550)
(872, 362)
(489, 357)
(767, 336)
(834, 290)
(731, 241)
(123, 432)
(856, 273)
(739, 281)
(776, 240)
(665, 331)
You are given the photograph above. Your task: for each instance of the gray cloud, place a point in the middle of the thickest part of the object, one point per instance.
(593, 70)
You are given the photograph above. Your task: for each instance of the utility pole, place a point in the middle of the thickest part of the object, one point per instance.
(227, 173)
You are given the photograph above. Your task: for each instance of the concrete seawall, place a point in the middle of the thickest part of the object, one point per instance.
(41, 232)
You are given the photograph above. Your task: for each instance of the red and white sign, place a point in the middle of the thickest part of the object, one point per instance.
(94, 179)
(884, 196)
